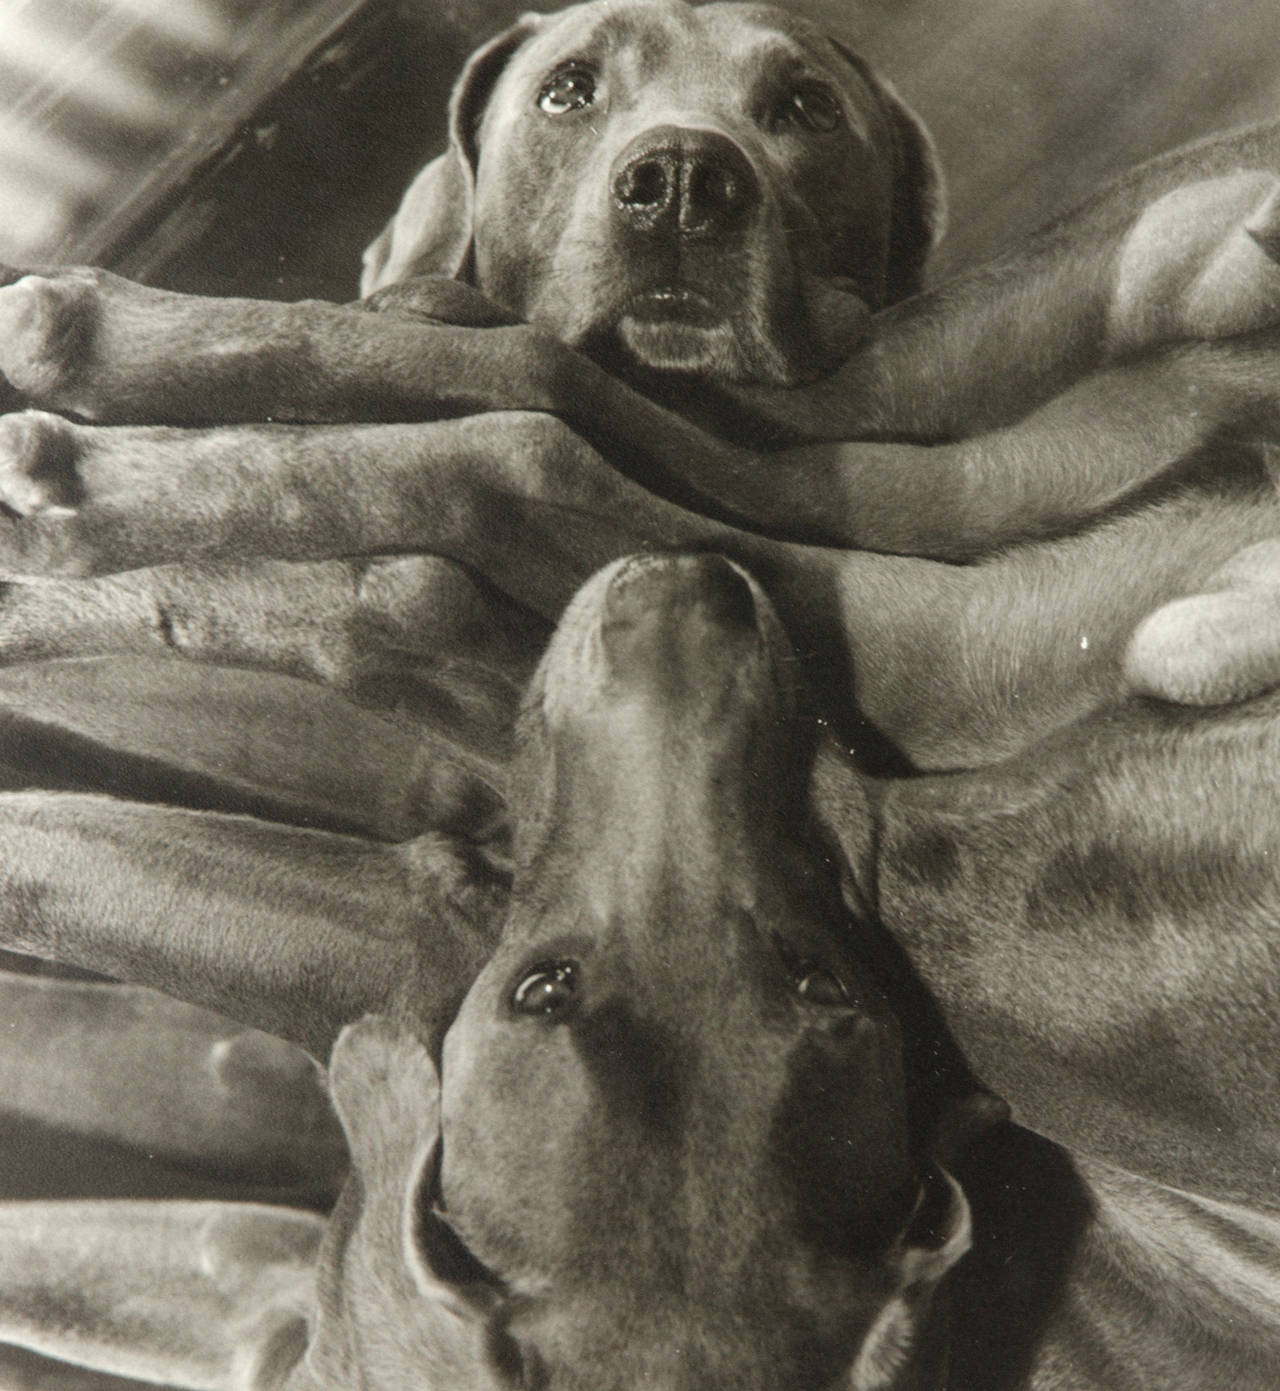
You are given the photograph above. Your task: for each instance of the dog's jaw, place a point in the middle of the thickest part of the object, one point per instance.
(674, 345)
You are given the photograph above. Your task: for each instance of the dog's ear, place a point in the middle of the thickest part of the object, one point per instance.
(919, 198)
(918, 217)
(401, 1301)
(430, 232)
(937, 1234)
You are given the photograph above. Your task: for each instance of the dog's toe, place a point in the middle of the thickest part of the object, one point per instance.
(385, 1089)
(37, 463)
(1217, 647)
(46, 325)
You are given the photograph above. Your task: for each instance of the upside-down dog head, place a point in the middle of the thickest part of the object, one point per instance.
(667, 1144)
(721, 191)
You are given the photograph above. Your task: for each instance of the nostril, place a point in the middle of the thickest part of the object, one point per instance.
(645, 185)
(728, 595)
(714, 186)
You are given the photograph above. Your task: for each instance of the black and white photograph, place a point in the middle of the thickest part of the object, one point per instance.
(640, 695)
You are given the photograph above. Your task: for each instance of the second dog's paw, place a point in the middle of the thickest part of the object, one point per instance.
(1217, 647)
(1201, 262)
(46, 328)
(37, 463)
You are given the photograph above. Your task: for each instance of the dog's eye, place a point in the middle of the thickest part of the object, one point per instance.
(817, 986)
(811, 106)
(569, 89)
(546, 990)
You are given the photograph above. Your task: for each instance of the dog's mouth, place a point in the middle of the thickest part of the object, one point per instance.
(672, 304)
(674, 328)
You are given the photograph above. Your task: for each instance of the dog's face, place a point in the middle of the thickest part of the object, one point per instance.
(672, 1141)
(720, 191)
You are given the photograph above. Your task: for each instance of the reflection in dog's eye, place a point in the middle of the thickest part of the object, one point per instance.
(819, 987)
(549, 989)
(812, 106)
(569, 89)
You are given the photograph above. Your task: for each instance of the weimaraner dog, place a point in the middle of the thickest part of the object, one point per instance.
(676, 1084)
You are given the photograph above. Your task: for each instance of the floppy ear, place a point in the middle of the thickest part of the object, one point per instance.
(918, 217)
(938, 1233)
(401, 1302)
(430, 233)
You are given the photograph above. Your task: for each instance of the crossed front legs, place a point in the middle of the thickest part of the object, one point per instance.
(94, 345)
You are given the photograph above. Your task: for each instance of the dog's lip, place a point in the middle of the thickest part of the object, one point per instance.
(666, 303)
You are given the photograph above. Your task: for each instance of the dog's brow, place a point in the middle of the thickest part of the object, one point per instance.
(773, 58)
(620, 31)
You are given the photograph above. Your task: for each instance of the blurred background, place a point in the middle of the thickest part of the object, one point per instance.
(255, 146)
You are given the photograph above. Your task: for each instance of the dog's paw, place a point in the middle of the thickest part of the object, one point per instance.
(37, 463)
(1217, 647)
(1201, 262)
(46, 330)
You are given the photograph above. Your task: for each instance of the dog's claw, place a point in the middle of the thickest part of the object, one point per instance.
(37, 463)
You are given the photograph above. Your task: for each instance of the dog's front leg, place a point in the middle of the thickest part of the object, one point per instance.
(494, 492)
(290, 931)
(134, 1068)
(412, 634)
(1202, 412)
(181, 1294)
(92, 344)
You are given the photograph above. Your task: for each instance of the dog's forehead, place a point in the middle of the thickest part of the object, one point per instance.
(668, 38)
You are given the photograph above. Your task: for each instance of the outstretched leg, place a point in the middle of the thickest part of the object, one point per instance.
(94, 345)
(494, 492)
(413, 635)
(213, 1296)
(294, 932)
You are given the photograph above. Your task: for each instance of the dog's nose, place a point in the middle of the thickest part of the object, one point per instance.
(686, 620)
(666, 589)
(684, 181)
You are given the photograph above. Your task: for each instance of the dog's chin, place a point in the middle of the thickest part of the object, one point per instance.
(675, 345)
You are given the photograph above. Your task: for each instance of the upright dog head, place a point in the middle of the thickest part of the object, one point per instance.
(667, 1145)
(721, 191)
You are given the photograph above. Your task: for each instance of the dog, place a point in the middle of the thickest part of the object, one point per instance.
(1023, 678)
(681, 991)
